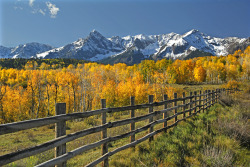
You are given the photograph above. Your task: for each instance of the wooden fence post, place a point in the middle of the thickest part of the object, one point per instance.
(104, 134)
(209, 98)
(183, 102)
(220, 91)
(200, 102)
(203, 101)
(206, 101)
(195, 103)
(60, 130)
(213, 96)
(217, 95)
(175, 104)
(165, 115)
(191, 105)
(132, 115)
(150, 110)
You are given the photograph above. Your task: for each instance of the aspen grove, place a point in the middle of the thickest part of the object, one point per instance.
(33, 91)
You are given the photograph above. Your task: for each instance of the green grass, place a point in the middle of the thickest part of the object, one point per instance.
(25, 139)
(28, 138)
(208, 139)
(203, 140)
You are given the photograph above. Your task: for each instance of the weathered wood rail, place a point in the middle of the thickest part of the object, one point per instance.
(196, 103)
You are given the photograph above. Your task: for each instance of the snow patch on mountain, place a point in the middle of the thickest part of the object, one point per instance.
(103, 56)
(96, 47)
(150, 49)
(44, 54)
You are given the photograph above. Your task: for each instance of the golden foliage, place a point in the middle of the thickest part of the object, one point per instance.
(32, 92)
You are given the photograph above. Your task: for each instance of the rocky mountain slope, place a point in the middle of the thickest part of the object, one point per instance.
(132, 49)
(28, 50)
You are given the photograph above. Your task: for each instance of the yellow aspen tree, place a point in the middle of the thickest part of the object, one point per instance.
(199, 74)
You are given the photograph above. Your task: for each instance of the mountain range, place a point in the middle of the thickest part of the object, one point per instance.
(132, 49)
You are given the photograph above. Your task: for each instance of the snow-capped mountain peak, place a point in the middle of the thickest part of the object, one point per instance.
(192, 32)
(96, 47)
(95, 34)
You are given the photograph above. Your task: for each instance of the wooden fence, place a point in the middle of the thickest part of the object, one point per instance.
(190, 105)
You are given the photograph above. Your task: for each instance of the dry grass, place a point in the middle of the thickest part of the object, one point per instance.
(235, 122)
(217, 157)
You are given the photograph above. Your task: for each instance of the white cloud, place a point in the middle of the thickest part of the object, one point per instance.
(37, 7)
(18, 7)
(31, 2)
(42, 11)
(52, 9)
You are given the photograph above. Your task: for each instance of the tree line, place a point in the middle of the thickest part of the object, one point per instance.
(33, 91)
(19, 63)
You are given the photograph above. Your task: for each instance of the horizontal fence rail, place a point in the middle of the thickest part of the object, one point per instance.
(29, 124)
(191, 105)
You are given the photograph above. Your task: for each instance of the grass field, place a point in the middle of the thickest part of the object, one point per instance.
(219, 138)
(190, 144)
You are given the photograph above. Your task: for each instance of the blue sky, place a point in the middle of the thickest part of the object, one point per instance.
(59, 22)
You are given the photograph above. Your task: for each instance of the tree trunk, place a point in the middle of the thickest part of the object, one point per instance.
(48, 112)
(74, 99)
(39, 99)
